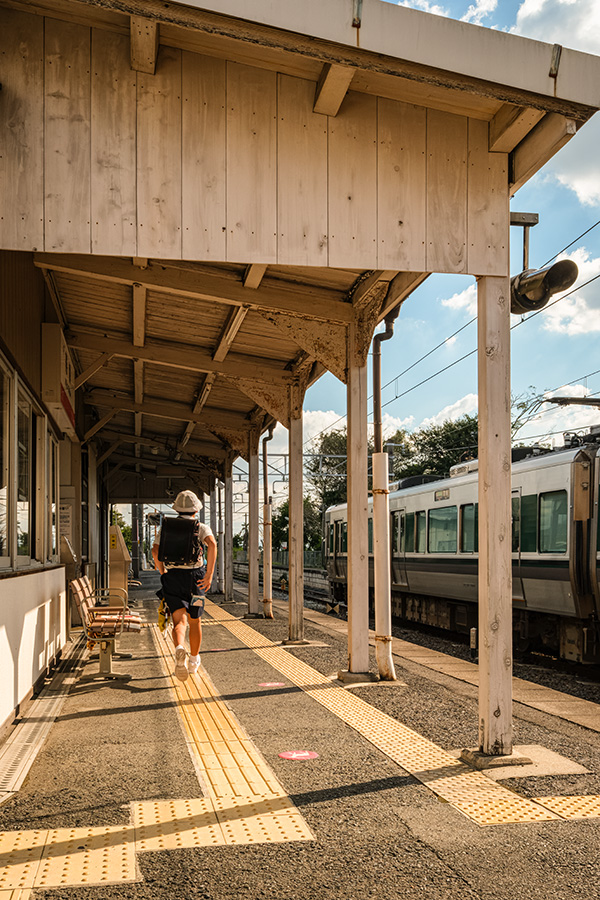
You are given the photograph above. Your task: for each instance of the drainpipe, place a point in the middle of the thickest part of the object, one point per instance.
(381, 520)
(267, 535)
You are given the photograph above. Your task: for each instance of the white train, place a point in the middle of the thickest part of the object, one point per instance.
(555, 549)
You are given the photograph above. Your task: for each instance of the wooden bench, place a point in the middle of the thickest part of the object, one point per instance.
(103, 624)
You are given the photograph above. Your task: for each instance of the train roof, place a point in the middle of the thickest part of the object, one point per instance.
(537, 460)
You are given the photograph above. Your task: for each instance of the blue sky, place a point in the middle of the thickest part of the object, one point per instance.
(554, 350)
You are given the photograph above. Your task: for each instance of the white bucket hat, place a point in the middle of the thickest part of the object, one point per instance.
(187, 502)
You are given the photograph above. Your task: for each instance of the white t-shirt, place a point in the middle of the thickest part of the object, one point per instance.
(204, 531)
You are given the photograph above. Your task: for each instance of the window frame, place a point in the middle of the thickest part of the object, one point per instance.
(541, 496)
(436, 510)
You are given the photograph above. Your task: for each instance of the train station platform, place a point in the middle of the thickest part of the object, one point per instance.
(263, 776)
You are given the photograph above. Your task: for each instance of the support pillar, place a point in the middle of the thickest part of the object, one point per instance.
(220, 543)
(136, 539)
(358, 540)
(213, 524)
(296, 520)
(495, 561)
(228, 549)
(254, 602)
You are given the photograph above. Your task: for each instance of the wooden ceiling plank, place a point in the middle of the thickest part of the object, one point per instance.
(179, 358)
(510, 125)
(139, 314)
(332, 87)
(166, 410)
(310, 303)
(98, 426)
(143, 38)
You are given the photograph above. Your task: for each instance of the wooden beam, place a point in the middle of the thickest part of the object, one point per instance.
(91, 370)
(108, 452)
(332, 87)
(200, 285)
(55, 297)
(510, 125)
(540, 145)
(98, 426)
(232, 326)
(139, 314)
(253, 276)
(368, 284)
(195, 448)
(163, 409)
(403, 284)
(181, 357)
(143, 44)
(198, 407)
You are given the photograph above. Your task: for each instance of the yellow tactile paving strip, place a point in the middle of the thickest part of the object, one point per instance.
(484, 801)
(573, 807)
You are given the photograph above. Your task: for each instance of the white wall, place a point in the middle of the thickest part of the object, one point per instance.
(32, 631)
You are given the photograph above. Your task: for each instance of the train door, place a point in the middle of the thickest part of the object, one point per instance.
(517, 581)
(397, 536)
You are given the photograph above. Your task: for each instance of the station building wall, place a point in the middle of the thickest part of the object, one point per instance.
(32, 580)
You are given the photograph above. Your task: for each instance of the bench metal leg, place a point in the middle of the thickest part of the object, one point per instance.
(107, 648)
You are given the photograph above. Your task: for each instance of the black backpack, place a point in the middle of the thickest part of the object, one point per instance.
(180, 543)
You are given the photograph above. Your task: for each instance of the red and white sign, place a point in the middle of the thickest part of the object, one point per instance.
(299, 755)
(271, 684)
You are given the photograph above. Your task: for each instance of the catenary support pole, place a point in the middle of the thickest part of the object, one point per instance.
(296, 520)
(228, 549)
(220, 542)
(254, 604)
(267, 533)
(358, 560)
(495, 565)
(213, 524)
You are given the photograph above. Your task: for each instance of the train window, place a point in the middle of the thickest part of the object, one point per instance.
(395, 535)
(24, 476)
(469, 525)
(443, 530)
(421, 531)
(344, 537)
(529, 523)
(370, 531)
(410, 533)
(553, 522)
(516, 524)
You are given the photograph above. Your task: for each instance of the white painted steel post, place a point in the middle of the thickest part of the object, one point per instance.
(296, 520)
(213, 524)
(267, 560)
(220, 543)
(382, 564)
(495, 562)
(358, 560)
(202, 514)
(254, 603)
(228, 554)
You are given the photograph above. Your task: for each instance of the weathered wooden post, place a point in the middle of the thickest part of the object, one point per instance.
(254, 603)
(495, 560)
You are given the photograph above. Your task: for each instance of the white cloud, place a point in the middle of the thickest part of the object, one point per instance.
(580, 313)
(465, 406)
(575, 24)
(425, 6)
(466, 300)
(479, 10)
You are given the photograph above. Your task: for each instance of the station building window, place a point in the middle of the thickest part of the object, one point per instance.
(553, 522)
(5, 387)
(443, 528)
(24, 477)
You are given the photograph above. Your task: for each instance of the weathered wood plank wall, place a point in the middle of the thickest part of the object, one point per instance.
(213, 160)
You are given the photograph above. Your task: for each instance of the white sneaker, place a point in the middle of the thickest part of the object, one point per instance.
(193, 665)
(181, 671)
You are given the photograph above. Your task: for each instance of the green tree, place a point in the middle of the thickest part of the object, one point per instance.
(435, 449)
(327, 468)
(118, 519)
(312, 525)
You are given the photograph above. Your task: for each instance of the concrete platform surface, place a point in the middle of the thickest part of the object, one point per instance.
(137, 788)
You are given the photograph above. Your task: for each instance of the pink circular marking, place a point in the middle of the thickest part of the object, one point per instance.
(299, 755)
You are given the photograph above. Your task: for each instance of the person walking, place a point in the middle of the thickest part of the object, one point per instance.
(184, 585)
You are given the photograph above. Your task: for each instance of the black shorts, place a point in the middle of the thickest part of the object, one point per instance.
(181, 588)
